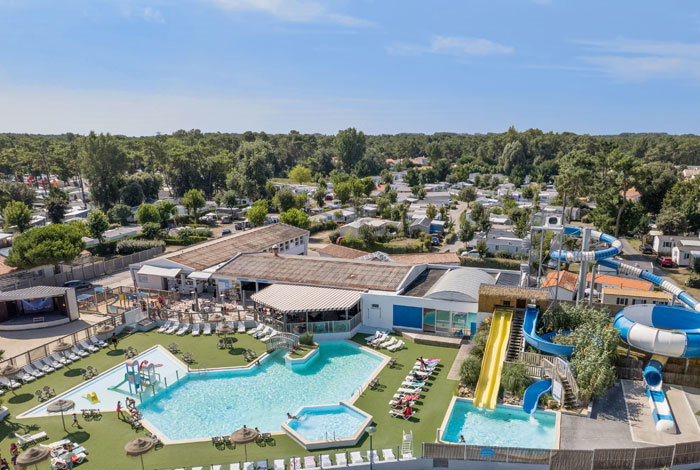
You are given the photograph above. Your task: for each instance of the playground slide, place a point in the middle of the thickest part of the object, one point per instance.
(114, 387)
(533, 394)
(496, 347)
(539, 342)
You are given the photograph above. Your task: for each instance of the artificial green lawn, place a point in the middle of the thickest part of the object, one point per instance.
(105, 438)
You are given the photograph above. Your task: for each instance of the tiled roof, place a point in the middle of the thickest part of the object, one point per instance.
(340, 251)
(567, 280)
(426, 258)
(213, 253)
(325, 272)
(622, 282)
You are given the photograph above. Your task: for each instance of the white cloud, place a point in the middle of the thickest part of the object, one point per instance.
(452, 45)
(147, 13)
(297, 11)
(153, 14)
(642, 60)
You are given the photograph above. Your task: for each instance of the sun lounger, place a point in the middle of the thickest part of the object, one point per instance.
(400, 414)
(310, 462)
(269, 337)
(341, 460)
(25, 439)
(195, 329)
(13, 384)
(279, 464)
(255, 330)
(60, 359)
(215, 467)
(183, 331)
(176, 326)
(197, 468)
(89, 347)
(33, 372)
(262, 465)
(326, 461)
(248, 466)
(43, 367)
(263, 333)
(234, 466)
(51, 363)
(70, 355)
(380, 339)
(373, 456)
(411, 383)
(165, 326)
(356, 458)
(390, 342)
(410, 390)
(207, 329)
(98, 342)
(373, 337)
(388, 455)
(76, 349)
(396, 346)
(295, 463)
(24, 377)
(241, 327)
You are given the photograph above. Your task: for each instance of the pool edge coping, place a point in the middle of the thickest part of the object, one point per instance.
(445, 420)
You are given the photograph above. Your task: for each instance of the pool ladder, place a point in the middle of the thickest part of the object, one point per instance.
(333, 435)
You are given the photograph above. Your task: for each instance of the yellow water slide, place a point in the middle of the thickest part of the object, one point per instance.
(491, 366)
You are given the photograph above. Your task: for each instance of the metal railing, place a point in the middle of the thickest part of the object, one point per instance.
(282, 341)
(551, 366)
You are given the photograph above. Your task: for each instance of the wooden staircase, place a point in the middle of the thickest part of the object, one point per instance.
(569, 397)
(517, 342)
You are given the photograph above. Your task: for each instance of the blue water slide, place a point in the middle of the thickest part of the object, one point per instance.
(539, 342)
(533, 394)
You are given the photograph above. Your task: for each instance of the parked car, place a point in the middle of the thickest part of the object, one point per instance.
(646, 249)
(665, 261)
(226, 231)
(434, 240)
(78, 284)
(471, 254)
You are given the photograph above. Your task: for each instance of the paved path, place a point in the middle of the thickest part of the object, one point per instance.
(464, 350)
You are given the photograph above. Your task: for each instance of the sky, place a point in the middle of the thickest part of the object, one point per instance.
(139, 67)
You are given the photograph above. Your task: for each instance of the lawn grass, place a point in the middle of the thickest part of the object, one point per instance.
(105, 438)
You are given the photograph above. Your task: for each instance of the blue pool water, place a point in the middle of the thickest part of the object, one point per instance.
(505, 426)
(327, 422)
(102, 385)
(217, 403)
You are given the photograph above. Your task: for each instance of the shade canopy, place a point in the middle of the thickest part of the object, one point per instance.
(61, 346)
(139, 446)
(60, 405)
(9, 370)
(104, 329)
(244, 436)
(34, 455)
(294, 299)
(158, 271)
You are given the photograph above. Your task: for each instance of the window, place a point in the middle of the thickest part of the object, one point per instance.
(686, 255)
(668, 244)
(375, 305)
(506, 303)
(622, 300)
(296, 241)
(286, 245)
(143, 278)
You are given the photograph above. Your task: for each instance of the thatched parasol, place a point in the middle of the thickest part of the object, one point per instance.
(9, 371)
(33, 456)
(62, 346)
(104, 329)
(216, 317)
(138, 447)
(61, 405)
(244, 436)
(224, 329)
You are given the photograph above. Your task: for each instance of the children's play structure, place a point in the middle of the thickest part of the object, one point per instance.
(139, 375)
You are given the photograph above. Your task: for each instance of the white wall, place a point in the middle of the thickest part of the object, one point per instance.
(382, 317)
(681, 258)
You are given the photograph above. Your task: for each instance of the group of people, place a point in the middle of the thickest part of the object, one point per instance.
(14, 453)
(403, 404)
(131, 406)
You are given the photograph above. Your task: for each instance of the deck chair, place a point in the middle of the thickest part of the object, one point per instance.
(175, 326)
(183, 331)
(207, 329)
(195, 329)
(165, 326)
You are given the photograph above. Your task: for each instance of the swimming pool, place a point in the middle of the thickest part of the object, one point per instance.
(110, 386)
(215, 403)
(506, 426)
(321, 426)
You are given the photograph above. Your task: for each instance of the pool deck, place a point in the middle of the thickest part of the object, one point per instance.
(464, 351)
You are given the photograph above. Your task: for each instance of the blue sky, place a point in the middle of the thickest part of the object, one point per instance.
(139, 67)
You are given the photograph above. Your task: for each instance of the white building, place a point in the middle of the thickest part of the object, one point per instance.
(682, 252)
(664, 244)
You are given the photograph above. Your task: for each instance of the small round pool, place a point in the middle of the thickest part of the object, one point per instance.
(323, 426)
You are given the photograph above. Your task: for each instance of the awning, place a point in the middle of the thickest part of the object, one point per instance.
(292, 299)
(156, 271)
(199, 275)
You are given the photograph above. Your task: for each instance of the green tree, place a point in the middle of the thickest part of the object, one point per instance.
(512, 156)
(349, 146)
(151, 230)
(300, 174)
(515, 378)
(521, 223)
(671, 221)
(166, 209)
(17, 214)
(193, 200)
(258, 213)
(576, 176)
(527, 192)
(284, 199)
(131, 193)
(466, 230)
(296, 218)
(387, 177)
(148, 213)
(49, 245)
(56, 204)
(253, 169)
(119, 213)
(481, 248)
(342, 192)
(467, 194)
(228, 199)
(12, 191)
(626, 169)
(470, 370)
(320, 195)
(367, 235)
(480, 216)
(431, 211)
(97, 225)
(653, 182)
(103, 163)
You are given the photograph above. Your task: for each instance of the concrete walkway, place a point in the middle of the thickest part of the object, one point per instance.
(464, 350)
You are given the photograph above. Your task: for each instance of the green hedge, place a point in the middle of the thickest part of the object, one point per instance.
(184, 241)
(492, 263)
(358, 244)
(127, 247)
(321, 226)
(109, 248)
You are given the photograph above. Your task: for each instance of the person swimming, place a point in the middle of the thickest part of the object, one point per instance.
(291, 416)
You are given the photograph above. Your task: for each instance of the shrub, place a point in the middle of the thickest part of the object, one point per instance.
(184, 241)
(503, 254)
(693, 280)
(321, 226)
(470, 370)
(514, 377)
(333, 236)
(451, 238)
(194, 232)
(307, 338)
(126, 247)
(480, 339)
(151, 230)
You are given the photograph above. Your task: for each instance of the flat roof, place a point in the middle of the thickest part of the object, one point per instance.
(33, 293)
(216, 252)
(291, 299)
(317, 271)
(637, 293)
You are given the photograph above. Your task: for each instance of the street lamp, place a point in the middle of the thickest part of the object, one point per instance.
(370, 431)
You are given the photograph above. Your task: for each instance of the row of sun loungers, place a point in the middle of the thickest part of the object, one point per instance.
(406, 396)
(55, 361)
(27, 439)
(263, 333)
(309, 462)
(180, 329)
(384, 340)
